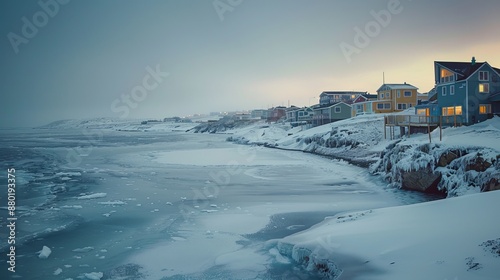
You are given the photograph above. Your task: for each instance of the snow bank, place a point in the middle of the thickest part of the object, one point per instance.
(404, 242)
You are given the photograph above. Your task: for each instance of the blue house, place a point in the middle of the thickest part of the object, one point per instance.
(467, 91)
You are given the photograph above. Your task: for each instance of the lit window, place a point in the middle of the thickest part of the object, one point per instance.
(452, 111)
(446, 76)
(483, 76)
(452, 90)
(407, 93)
(484, 109)
(422, 112)
(484, 88)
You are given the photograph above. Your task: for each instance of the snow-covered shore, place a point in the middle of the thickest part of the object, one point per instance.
(464, 161)
(455, 238)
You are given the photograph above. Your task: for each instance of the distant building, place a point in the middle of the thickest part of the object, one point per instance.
(395, 98)
(276, 113)
(331, 97)
(259, 114)
(328, 113)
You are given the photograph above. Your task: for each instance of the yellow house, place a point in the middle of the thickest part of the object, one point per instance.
(395, 98)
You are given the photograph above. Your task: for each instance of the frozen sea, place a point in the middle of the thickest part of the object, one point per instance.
(168, 205)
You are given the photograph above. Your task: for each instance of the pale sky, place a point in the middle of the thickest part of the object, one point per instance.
(86, 59)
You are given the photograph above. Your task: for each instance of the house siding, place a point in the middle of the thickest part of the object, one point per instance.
(467, 94)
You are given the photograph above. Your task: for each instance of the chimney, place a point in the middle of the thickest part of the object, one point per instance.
(473, 61)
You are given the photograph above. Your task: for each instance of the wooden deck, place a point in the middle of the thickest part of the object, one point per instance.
(419, 121)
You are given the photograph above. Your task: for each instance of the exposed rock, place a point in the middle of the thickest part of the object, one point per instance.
(478, 164)
(421, 180)
(492, 185)
(446, 158)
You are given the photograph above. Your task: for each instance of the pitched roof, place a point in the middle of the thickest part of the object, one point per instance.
(465, 69)
(343, 92)
(330, 105)
(397, 86)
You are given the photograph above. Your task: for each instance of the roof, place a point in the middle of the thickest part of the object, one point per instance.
(465, 69)
(330, 105)
(397, 86)
(344, 92)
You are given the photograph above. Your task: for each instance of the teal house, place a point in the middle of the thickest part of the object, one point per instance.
(467, 91)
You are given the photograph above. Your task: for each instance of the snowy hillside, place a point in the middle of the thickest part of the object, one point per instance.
(119, 124)
(465, 161)
(404, 242)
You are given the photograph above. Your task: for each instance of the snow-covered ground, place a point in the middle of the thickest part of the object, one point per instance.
(456, 238)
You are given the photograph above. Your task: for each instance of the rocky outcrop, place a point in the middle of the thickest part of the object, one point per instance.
(221, 125)
(435, 168)
(421, 180)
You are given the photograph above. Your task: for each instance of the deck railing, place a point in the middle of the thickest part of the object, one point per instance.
(420, 120)
(409, 121)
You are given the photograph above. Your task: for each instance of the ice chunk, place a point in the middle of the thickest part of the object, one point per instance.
(83, 250)
(44, 253)
(115, 202)
(92, 196)
(58, 271)
(93, 275)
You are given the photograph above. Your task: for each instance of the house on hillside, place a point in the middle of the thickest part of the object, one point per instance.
(363, 104)
(348, 97)
(395, 98)
(292, 113)
(328, 113)
(276, 113)
(467, 91)
(259, 114)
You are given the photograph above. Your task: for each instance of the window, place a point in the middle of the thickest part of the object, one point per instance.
(383, 106)
(337, 109)
(484, 109)
(483, 76)
(399, 93)
(452, 111)
(452, 90)
(484, 87)
(422, 112)
(443, 91)
(401, 106)
(446, 76)
(381, 96)
(407, 93)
